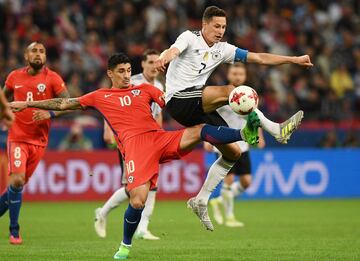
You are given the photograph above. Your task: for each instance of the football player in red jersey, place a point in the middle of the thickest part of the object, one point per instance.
(142, 142)
(6, 115)
(27, 138)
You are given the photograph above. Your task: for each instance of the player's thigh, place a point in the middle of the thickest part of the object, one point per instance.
(142, 158)
(214, 97)
(229, 151)
(17, 157)
(36, 153)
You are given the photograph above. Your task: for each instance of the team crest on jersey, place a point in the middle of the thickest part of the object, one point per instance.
(216, 55)
(17, 163)
(135, 92)
(131, 179)
(41, 87)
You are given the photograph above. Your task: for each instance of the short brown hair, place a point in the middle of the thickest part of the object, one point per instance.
(238, 65)
(149, 52)
(212, 11)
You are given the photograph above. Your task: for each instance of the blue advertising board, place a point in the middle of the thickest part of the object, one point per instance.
(304, 173)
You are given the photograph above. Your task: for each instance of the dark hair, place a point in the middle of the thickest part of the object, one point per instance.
(212, 11)
(238, 65)
(116, 59)
(149, 52)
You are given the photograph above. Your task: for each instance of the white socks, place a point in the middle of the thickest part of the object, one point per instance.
(147, 212)
(271, 127)
(228, 193)
(114, 201)
(237, 188)
(216, 174)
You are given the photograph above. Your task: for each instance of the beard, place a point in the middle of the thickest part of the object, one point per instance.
(36, 66)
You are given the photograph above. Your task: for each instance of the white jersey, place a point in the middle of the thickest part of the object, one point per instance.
(195, 62)
(234, 121)
(138, 79)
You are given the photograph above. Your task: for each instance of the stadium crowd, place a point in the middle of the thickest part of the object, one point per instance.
(79, 36)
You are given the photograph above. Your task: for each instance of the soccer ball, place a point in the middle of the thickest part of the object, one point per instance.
(243, 100)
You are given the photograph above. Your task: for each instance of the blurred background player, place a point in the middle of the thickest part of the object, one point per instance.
(149, 75)
(76, 140)
(6, 115)
(136, 136)
(27, 139)
(193, 57)
(242, 168)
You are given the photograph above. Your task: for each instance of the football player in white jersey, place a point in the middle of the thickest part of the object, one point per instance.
(192, 58)
(242, 168)
(148, 75)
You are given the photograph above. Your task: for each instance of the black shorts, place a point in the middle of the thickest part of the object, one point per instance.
(243, 165)
(186, 108)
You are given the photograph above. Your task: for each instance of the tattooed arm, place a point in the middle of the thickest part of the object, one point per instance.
(40, 115)
(57, 104)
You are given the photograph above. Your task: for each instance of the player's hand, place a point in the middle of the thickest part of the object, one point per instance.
(18, 106)
(160, 64)
(40, 115)
(7, 117)
(303, 60)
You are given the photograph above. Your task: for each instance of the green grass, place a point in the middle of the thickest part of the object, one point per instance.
(275, 230)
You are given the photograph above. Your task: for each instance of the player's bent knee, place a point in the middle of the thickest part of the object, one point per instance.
(17, 180)
(246, 181)
(137, 202)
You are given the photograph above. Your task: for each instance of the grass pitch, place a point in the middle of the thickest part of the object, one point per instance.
(274, 230)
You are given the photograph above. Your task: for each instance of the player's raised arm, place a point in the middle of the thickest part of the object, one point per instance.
(181, 43)
(274, 59)
(57, 104)
(165, 57)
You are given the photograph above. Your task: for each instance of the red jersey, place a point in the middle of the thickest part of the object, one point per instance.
(46, 84)
(128, 110)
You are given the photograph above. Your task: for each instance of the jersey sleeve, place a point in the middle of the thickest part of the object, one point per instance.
(88, 99)
(234, 54)
(9, 82)
(157, 96)
(57, 83)
(183, 41)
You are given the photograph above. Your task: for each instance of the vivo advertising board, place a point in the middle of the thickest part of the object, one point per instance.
(305, 173)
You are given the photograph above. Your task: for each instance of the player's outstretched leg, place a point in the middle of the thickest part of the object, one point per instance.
(289, 126)
(219, 169)
(101, 214)
(281, 132)
(200, 209)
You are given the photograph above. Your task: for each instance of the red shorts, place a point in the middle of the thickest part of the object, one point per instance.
(144, 153)
(23, 157)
